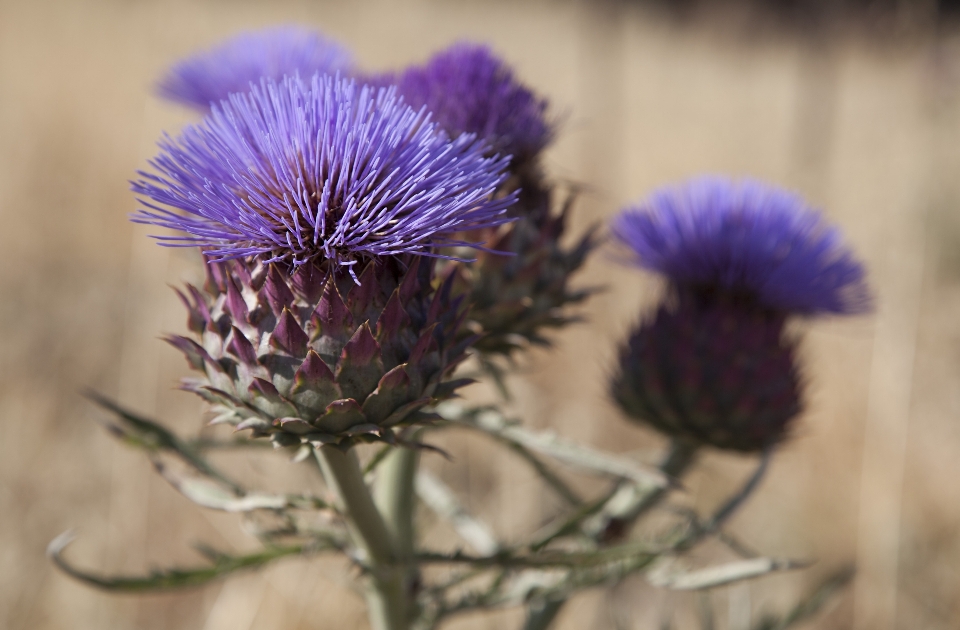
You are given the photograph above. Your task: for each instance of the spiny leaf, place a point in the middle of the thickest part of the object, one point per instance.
(235, 302)
(360, 365)
(167, 578)
(194, 352)
(152, 436)
(209, 494)
(332, 314)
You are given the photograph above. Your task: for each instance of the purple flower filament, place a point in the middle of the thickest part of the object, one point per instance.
(745, 237)
(299, 171)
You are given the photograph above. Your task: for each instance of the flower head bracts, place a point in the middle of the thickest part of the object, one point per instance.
(711, 371)
(318, 170)
(211, 76)
(745, 237)
(469, 90)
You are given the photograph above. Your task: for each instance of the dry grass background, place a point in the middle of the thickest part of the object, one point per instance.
(868, 129)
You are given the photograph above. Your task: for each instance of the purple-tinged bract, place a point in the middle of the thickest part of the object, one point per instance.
(320, 170)
(712, 371)
(748, 238)
(470, 90)
(209, 77)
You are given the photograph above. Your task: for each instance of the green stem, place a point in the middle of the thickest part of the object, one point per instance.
(541, 613)
(675, 464)
(395, 496)
(632, 501)
(613, 522)
(387, 599)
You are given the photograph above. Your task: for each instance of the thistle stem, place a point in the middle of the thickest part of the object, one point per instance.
(623, 508)
(387, 599)
(394, 494)
(632, 501)
(540, 614)
(680, 457)
(734, 502)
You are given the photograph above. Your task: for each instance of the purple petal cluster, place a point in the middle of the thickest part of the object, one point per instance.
(211, 76)
(316, 170)
(468, 89)
(745, 237)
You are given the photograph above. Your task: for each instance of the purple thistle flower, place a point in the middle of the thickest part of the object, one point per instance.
(470, 90)
(745, 237)
(212, 75)
(318, 170)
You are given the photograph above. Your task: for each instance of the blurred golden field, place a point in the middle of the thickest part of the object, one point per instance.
(866, 126)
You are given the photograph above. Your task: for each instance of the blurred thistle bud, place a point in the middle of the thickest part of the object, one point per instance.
(314, 203)
(712, 370)
(713, 365)
(209, 77)
(468, 89)
(514, 299)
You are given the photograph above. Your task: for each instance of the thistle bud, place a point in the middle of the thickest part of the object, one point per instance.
(316, 357)
(516, 299)
(711, 370)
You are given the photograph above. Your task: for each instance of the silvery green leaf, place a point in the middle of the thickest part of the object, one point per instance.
(207, 493)
(151, 436)
(668, 575)
(163, 579)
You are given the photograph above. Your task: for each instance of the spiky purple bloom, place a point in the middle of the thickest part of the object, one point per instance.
(320, 170)
(470, 90)
(745, 237)
(212, 75)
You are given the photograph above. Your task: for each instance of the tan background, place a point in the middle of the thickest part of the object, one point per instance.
(866, 127)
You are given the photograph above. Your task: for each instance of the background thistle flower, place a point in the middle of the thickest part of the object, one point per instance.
(314, 203)
(713, 366)
(745, 237)
(514, 299)
(468, 89)
(323, 169)
(209, 77)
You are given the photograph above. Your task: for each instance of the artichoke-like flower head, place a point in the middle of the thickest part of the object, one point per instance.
(320, 206)
(469, 89)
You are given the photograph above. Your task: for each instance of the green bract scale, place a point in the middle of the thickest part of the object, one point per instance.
(313, 357)
(515, 299)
